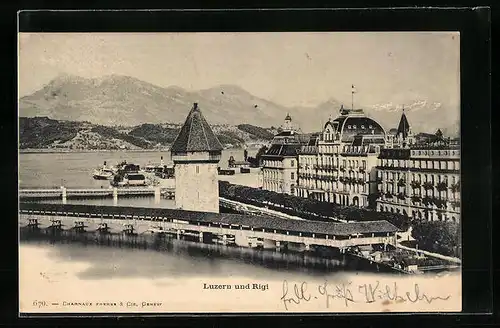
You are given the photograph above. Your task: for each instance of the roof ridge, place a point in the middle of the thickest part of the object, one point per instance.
(190, 118)
(202, 119)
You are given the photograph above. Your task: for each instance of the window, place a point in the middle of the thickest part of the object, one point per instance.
(293, 164)
(364, 164)
(197, 169)
(293, 175)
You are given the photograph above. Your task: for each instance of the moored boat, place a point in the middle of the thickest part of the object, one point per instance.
(103, 173)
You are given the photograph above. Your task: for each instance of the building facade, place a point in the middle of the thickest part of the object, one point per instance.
(339, 168)
(196, 153)
(421, 180)
(279, 163)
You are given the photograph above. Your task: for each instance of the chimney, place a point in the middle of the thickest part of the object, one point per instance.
(195, 105)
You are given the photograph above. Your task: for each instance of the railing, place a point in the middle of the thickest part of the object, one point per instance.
(26, 193)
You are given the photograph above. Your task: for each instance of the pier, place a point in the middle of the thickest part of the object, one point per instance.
(242, 230)
(65, 193)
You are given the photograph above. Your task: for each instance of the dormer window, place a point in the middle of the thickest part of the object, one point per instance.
(371, 127)
(362, 126)
(354, 126)
(348, 126)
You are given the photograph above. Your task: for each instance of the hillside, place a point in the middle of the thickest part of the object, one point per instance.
(46, 133)
(121, 100)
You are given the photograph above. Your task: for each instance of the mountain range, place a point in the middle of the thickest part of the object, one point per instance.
(122, 100)
(45, 133)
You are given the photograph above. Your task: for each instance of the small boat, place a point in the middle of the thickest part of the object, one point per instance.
(157, 229)
(219, 239)
(103, 173)
(154, 168)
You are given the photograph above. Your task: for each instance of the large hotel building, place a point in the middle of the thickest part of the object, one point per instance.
(420, 180)
(338, 167)
(355, 162)
(279, 163)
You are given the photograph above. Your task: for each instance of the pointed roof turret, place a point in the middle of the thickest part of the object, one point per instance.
(288, 117)
(196, 135)
(403, 127)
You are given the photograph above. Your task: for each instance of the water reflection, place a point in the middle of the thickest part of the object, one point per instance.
(182, 258)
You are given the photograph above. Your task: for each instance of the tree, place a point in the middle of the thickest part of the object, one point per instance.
(438, 236)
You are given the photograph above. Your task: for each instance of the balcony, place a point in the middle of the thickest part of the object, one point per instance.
(455, 204)
(428, 185)
(415, 184)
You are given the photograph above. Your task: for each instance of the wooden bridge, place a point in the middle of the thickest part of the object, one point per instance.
(242, 230)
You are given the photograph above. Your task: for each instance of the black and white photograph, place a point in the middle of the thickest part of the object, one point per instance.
(242, 172)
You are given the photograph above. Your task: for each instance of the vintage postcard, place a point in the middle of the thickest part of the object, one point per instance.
(239, 172)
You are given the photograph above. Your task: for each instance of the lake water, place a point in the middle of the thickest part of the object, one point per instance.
(66, 272)
(73, 170)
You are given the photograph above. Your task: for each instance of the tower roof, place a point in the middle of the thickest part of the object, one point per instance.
(288, 117)
(196, 135)
(403, 127)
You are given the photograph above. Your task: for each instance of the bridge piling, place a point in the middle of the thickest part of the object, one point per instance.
(157, 195)
(64, 195)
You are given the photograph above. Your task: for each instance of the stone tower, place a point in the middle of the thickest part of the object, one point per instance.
(196, 152)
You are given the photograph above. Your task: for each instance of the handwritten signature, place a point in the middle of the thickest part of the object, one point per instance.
(347, 293)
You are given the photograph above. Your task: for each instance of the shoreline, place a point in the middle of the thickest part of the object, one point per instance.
(69, 151)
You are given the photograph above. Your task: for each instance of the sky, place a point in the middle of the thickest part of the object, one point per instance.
(291, 69)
